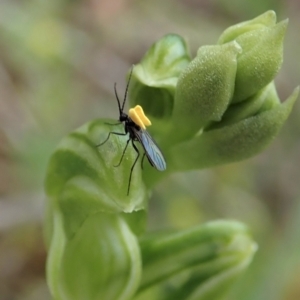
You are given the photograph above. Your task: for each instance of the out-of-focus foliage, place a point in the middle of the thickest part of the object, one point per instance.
(58, 63)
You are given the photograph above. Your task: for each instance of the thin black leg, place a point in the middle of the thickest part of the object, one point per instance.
(116, 133)
(123, 153)
(138, 152)
(113, 124)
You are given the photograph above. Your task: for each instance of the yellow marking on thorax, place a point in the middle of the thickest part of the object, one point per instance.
(138, 116)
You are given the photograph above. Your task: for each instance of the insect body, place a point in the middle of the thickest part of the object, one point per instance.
(135, 127)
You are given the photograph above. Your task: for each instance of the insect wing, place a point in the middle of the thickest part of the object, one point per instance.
(151, 149)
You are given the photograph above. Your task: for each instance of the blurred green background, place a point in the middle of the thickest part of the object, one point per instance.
(58, 63)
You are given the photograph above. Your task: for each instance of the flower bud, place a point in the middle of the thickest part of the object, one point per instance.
(100, 262)
(267, 19)
(258, 65)
(154, 79)
(211, 255)
(262, 53)
(236, 141)
(82, 177)
(250, 107)
(204, 89)
(93, 250)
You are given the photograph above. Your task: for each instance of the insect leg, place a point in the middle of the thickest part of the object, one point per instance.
(138, 155)
(123, 153)
(116, 133)
(113, 124)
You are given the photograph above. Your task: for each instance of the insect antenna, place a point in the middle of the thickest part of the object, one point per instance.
(126, 91)
(118, 100)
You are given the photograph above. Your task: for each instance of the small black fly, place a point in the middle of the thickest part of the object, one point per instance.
(134, 125)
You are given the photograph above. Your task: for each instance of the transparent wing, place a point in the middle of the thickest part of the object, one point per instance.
(152, 151)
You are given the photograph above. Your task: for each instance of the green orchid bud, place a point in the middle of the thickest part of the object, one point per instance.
(262, 55)
(101, 261)
(218, 108)
(233, 142)
(210, 256)
(250, 107)
(154, 79)
(93, 251)
(83, 179)
(204, 89)
(258, 65)
(271, 100)
(267, 19)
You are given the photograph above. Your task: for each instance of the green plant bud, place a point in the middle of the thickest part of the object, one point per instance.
(204, 89)
(210, 256)
(271, 99)
(101, 262)
(221, 107)
(265, 20)
(260, 59)
(154, 79)
(82, 178)
(234, 142)
(250, 107)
